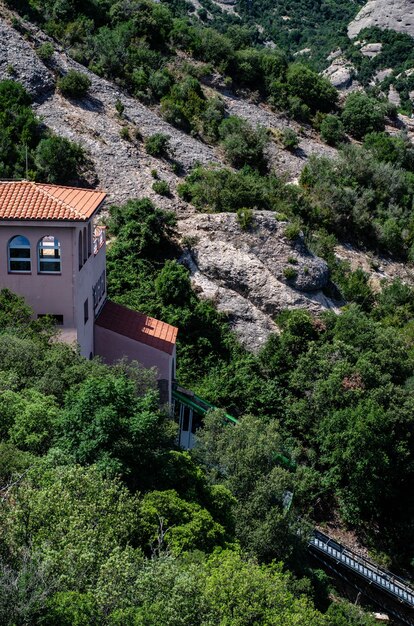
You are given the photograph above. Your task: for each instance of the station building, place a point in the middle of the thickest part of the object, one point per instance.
(53, 253)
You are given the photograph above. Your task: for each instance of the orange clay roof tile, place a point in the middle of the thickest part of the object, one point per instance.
(25, 200)
(137, 326)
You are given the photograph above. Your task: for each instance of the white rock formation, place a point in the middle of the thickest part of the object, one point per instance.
(395, 15)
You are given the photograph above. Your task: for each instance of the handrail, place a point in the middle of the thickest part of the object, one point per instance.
(381, 578)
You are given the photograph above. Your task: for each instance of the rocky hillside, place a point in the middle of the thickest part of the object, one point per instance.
(243, 273)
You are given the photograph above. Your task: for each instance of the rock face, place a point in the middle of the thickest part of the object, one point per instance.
(388, 14)
(253, 275)
(17, 60)
(340, 73)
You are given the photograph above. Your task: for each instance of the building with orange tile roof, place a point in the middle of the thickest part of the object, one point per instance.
(53, 252)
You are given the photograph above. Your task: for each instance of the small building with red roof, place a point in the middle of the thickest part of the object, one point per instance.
(53, 253)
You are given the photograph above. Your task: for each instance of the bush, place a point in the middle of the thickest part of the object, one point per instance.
(158, 145)
(290, 139)
(74, 84)
(124, 133)
(362, 115)
(292, 231)
(243, 145)
(316, 91)
(59, 160)
(245, 218)
(119, 107)
(161, 187)
(45, 51)
(290, 273)
(332, 130)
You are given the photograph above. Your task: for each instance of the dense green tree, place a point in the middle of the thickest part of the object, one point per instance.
(246, 459)
(104, 422)
(59, 160)
(332, 130)
(315, 91)
(362, 114)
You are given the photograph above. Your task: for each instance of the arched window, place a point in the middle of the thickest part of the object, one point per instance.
(19, 254)
(89, 239)
(48, 255)
(85, 246)
(80, 250)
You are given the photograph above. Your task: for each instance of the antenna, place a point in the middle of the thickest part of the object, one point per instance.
(27, 166)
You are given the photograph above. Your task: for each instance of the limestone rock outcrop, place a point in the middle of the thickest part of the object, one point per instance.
(395, 15)
(253, 275)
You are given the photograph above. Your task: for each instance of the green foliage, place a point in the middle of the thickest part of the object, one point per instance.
(362, 115)
(397, 150)
(23, 142)
(158, 145)
(332, 130)
(290, 140)
(290, 273)
(360, 198)
(58, 160)
(161, 187)
(245, 218)
(310, 88)
(211, 189)
(170, 523)
(104, 422)
(45, 51)
(74, 84)
(124, 133)
(244, 458)
(242, 144)
(292, 231)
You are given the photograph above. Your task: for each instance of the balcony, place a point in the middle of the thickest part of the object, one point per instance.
(99, 238)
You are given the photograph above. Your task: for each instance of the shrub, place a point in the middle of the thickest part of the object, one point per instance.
(292, 231)
(243, 145)
(158, 145)
(362, 115)
(309, 87)
(45, 51)
(74, 84)
(290, 139)
(124, 133)
(119, 107)
(161, 187)
(154, 174)
(290, 273)
(332, 130)
(245, 218)
(59, 160)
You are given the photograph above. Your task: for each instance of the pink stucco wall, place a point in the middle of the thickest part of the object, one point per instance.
(56, 294)
(111, 347)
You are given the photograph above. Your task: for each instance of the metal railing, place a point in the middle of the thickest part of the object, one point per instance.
(382, 579)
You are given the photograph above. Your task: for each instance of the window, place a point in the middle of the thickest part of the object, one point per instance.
(19, 255)
(85, 246)
(85, 311)
(80, 250)
(89, 239)
(48, 250)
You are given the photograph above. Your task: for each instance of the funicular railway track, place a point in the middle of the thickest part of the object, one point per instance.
(388, 591)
